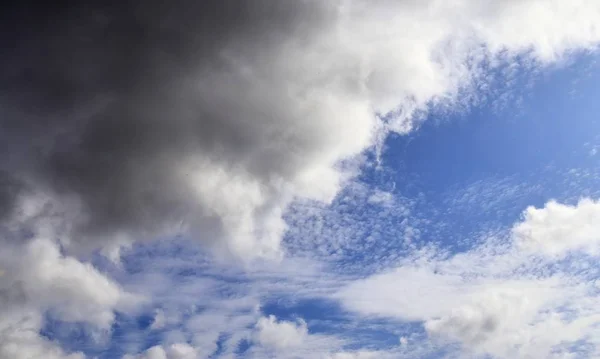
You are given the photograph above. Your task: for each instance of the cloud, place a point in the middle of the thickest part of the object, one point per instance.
(494, 322)
(501, 298)
(495, 299)
(159, 320)
(558, 229)
(19, 340)
(40, 280)
(209, 125)
(280, 335)
(72, 290)
(215, 308)
(174, 351)
(355, 355)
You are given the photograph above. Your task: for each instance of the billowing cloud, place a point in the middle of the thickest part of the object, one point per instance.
(20, 340)
(500, 298)
(355, 355)
(209, 118)
(173, 351)
(558, 229)
(280, 334)
(40, 280)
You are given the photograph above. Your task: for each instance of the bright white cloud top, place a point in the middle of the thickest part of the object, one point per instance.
(498, 298)
(245, 127)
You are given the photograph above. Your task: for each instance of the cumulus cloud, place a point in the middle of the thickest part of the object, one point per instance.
(557, 229)
(499, 298)
(209, 118)
(280, 334)
(173, 351)
(159, 320)
(356, 355)
(23, 342)
(494, 322)
(40, 280)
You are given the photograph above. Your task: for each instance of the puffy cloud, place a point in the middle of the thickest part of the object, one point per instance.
(156, 352)
(209, 118)
(174, 351)
(181, 351)
(40, 279)
(557, 229)
(19, 334)
(19, 339)
(496, 320)
(359, 355)
(159, 320)
(280, 334)
(72, 290)
(499, 299)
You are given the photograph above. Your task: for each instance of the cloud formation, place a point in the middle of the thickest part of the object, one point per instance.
(208, 118)
(131, 121)
(40, 281)
(559, 229)
(173, 351)
(280, 335)
(501, 298)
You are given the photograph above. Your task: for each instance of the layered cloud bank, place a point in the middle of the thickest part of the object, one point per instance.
(135, 121)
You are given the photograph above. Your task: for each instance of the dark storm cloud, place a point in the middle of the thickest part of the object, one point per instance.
(101, 101)
(9, 191)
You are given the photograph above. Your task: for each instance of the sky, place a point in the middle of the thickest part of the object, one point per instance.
(267, 179)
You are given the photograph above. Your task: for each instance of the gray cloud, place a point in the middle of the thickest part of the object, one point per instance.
(109, 104)
(136, 120)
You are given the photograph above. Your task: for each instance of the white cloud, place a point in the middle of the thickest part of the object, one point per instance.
(280, 334)
(159, 320)
(279, 113)
(355, 355)
(72, 290)
(558, 229)
(173, 351)
(381, 198)
(216, 306)
(397, 56)
(497, 321)
(498, 298)
(495, 298)
(40, 279)
(156, 352)
(19, 338)
(181, 351)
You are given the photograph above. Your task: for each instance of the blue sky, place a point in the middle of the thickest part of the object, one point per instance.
(389, 180)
